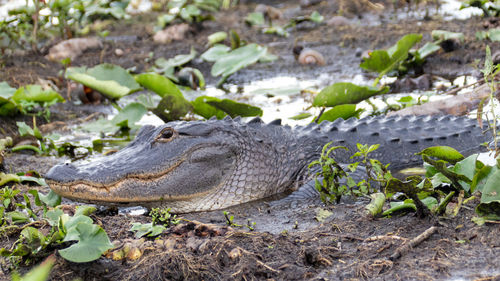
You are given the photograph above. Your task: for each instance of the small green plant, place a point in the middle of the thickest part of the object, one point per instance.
(188, 11)
(30, 99)
(34, 243)
(163, 216)
(230, 221)
(330, 174)
(27, 27)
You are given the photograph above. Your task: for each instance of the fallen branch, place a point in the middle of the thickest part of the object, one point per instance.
(455, 105)
(414, 242)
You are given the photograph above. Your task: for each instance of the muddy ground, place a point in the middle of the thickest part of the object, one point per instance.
(288, 242)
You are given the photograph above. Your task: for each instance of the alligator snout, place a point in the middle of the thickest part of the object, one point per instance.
(62, 173)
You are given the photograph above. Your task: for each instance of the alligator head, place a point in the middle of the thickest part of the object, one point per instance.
(187, 166)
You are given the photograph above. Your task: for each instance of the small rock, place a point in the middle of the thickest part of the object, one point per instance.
(72, 48)
(119, 52)
(173, 33)
(338, 21)
(358, 52)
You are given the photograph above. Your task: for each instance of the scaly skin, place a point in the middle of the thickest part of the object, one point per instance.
(200, 166)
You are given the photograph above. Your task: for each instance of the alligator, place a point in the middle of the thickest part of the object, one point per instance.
(191, 166)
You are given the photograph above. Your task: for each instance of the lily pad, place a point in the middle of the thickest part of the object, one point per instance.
(214, 53)
(237, 59)
(210, 106)
(35, 93)
(167, 66)
(110, 80)
(346, 93)
(202, 108)
(234, 109)
(159, 84)
(92, 243)
(126, 118)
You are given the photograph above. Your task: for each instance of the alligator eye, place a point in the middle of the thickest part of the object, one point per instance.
(166, 135)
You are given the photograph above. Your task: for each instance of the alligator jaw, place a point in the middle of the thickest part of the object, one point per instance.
(121, 191)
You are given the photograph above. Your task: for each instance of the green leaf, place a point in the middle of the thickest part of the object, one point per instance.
(17, 217)
(141, 229)
(35, 93)
(24, 129)
(33, 237)
(110, 80)
(301, 116)
(165, 66)
(41, 272)
(84, 210)
(481, 177)
(466, 167)
(377, 202)
(237, 59)
(344, 111)
(5, 178)
(6, 91)
(490, 199)
(159, 84)
(428, 49)
(234, 109)
(202, 108)
(255, 19)
(216, 52)
(126, 118)
(441, 35)
(382, 61)
(316, 17)
(51, 199)
(92, 243)
(216, 37)
(346, 93)
(443, 152)
(53, 216)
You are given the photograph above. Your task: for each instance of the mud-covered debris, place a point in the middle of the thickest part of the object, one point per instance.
(372, 268)
(313, 256)
(338, 21)
(72, 48)
(270, 12)
(173, 33)
(194, 228)
(129, 249)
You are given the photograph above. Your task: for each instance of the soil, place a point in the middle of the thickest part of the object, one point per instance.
(288, 242)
